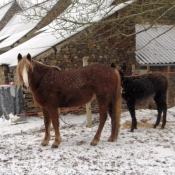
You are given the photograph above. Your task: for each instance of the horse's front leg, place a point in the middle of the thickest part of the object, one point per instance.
(131, 108)
(47, 123)
(53, 113)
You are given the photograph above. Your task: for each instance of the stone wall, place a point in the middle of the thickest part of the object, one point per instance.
(71, 55)
(4, 72)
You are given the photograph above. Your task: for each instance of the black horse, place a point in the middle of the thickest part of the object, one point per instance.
(135, 89)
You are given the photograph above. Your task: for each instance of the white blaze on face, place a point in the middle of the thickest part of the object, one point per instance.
(25, 77)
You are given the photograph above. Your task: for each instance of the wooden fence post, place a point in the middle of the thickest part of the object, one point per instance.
(88, 105)
(148, 68)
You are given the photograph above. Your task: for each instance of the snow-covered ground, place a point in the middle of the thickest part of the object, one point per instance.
(146, 151)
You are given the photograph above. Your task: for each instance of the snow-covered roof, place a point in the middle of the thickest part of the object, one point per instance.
(155, 45)
(19, 24)
(64, 30)
(4, 9)
(16, 25)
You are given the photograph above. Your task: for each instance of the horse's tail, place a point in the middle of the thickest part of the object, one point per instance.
(117, 104)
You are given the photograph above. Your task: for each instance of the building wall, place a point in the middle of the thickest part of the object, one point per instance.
(4, 72)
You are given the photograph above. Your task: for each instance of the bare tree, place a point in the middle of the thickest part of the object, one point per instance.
(85, 13)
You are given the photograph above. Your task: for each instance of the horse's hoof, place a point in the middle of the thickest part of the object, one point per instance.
(54, 146)
(93, 144)
(110, 139)
(44, 143)
(131, 130)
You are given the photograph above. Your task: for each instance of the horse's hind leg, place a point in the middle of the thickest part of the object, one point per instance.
(161, 106)
(114, 133)
(47, 123)
(164, 115)
(103, 117)
(53, 112)
(159, 110)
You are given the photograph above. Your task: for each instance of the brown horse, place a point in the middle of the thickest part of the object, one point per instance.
(53, 88)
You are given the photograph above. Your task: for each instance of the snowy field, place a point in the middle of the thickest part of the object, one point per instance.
(146, 151)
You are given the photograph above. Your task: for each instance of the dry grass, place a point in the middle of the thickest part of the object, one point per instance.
(143, 124)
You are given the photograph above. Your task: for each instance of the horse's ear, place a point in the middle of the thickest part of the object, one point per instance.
(29, 57)
(19, 57)
(113, 65)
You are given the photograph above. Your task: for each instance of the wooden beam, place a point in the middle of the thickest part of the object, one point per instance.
(148, 68)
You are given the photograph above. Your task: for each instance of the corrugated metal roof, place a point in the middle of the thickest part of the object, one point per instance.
(155, 45)
(4, 9)
(20, 23)
(50, 37)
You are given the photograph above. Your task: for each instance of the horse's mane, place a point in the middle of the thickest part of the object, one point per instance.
(34, 61)
(29, 66)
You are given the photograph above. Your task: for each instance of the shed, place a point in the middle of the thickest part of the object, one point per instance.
(155, 51)
(155, 45)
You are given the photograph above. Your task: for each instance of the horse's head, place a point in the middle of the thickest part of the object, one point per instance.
(24, 70)
(121, 72)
